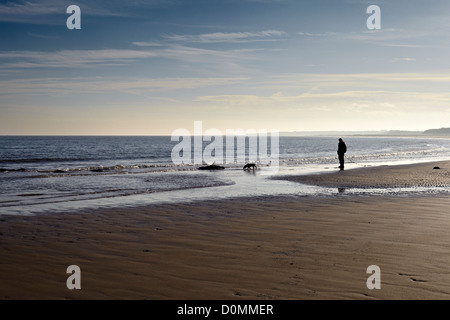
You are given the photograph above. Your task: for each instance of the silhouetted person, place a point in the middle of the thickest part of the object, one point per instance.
(342, 149)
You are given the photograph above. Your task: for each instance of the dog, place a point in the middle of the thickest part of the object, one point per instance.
(249, 166)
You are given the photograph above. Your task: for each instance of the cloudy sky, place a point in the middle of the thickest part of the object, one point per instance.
(150, 67)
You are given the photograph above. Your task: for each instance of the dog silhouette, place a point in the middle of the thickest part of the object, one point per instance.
(249, 166)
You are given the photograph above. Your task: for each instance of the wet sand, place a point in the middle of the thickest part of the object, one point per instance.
(421, 175)
(271, 248)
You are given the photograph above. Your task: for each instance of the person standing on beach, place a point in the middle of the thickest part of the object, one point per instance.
(342, 149)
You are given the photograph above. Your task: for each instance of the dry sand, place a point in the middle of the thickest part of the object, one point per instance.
(273, 248)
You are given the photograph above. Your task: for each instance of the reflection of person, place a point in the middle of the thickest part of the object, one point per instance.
(342, 149)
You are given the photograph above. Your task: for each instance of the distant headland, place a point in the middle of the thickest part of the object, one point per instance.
(442, 132)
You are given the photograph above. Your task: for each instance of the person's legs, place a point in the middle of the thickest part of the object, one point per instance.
(341, 161)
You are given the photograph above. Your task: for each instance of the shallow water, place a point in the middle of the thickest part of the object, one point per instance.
(52, 174)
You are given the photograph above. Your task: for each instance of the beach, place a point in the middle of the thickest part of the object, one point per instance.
(245, 248)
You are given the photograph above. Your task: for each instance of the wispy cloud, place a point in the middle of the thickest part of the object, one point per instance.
(43, 36)
(31, 8)
(358, 101)
(317, 90)
(147, 44)
(406, 59)
(213, 60)
(388, 37)
(193, 54)
(69, 58)
(46, 86)
(234, 37)
(309, 34)
(38, 11)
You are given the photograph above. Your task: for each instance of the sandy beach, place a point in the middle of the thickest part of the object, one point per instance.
(420, 175)
(261, 248)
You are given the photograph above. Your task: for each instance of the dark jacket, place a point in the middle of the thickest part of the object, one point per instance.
(342, 148)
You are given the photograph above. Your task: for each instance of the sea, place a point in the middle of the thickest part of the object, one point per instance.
(52, 174)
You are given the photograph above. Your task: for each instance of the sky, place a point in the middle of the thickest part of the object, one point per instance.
(150, 67)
